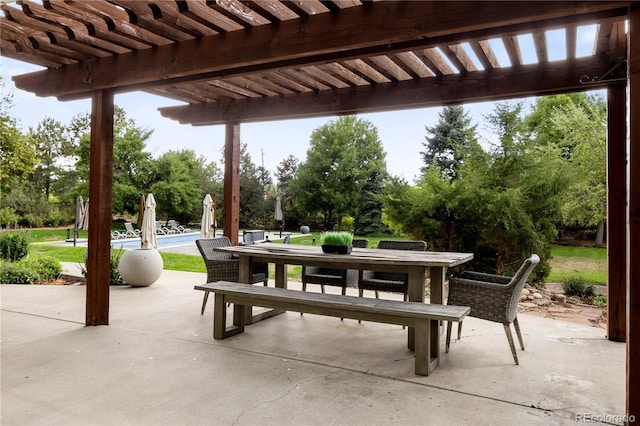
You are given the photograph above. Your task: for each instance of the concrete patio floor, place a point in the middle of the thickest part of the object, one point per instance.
(157, 364)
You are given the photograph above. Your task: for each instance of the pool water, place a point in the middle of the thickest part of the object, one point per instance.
(163, 241)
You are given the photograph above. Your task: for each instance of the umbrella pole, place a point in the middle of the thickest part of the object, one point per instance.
(215, 222)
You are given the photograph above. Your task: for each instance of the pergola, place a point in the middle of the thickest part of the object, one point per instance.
(235, 61)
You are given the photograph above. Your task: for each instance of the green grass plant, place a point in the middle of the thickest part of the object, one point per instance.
(61, 253)
(41, 235)
(587, 263)
(183, 262)
(340, 238)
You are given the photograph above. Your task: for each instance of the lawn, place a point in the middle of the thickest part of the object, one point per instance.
(589, 263)
(567, 261)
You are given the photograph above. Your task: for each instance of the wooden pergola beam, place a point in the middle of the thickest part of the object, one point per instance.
(231, 206)
(617, 212)
(313, 39)
(100, 196)
(633, 224)
(498, 84)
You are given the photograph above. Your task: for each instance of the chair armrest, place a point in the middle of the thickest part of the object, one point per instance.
(480, 276)
(461, 289)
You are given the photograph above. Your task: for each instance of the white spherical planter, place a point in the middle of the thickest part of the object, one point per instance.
(140, 267)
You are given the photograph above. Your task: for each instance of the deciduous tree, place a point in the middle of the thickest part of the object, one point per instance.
(342, 157)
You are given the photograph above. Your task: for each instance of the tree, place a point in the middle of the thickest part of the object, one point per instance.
(176, 185)
(286, 172)
(523, 193)
(54, 151)
(502, 206)
(132, 170)
(447, 141)
(343, 155)
(255, 209)
(546, 131)
(452, 142)
(576, 124)
(369, 220)
(17, 153)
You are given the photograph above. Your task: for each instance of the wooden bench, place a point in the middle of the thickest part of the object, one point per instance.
(422, 316)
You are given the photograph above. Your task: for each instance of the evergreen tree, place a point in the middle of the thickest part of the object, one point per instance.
(447, 141)
(369, 221)
(286, 172)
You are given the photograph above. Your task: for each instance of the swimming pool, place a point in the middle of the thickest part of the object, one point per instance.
(163, 241)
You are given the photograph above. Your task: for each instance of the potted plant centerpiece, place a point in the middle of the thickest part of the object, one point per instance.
(336, 242)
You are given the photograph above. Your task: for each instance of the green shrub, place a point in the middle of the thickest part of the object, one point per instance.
(13, 245)
(8, 216)
(346, 224)
(114, 273)
(16, 273)
(33, 220)
(46, 267)
(600, 301)
(341, 238)
(578, 287)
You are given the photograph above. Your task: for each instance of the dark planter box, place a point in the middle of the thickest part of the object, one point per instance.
(328, 248)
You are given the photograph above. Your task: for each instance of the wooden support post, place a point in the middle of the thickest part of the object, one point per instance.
(633, 241)
(100, 175)
(617, 213)
(231, 208)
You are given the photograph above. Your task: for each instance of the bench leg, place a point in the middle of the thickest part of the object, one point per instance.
(424, 362)
(220, 330)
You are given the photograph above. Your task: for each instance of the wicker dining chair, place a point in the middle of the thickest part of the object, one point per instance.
(394, 282)
(334, 277)
(492, 298)
(223, 266)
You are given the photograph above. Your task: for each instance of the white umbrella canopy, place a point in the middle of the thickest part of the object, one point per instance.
(149, 237)
(279, 214)
(207, 225)
(79, 211)
(84, 223)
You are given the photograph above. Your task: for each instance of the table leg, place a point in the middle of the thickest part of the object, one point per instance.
(437, 284)
(281, 275)
(416, 294)
(437, 296)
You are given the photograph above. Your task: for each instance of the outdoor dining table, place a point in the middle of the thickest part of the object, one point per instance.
(414, 263)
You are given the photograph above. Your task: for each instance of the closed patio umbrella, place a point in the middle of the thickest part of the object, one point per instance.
(207, 224)
(279, 214)
(84, 222)
(149, 237)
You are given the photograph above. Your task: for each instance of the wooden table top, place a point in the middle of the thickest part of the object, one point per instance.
(359, 258)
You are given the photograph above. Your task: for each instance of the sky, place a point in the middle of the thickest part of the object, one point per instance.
(402, 133)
